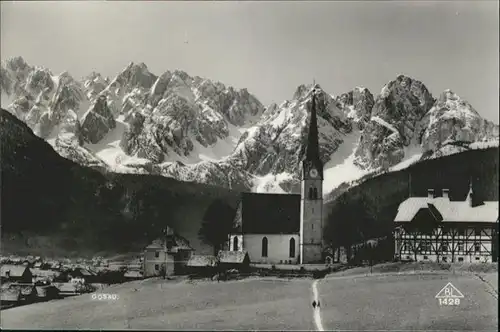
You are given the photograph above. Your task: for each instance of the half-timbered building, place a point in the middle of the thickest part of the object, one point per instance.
(437, 229)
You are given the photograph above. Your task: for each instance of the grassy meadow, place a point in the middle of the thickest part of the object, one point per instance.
(406, 302)
(248, 304)
(393, 297)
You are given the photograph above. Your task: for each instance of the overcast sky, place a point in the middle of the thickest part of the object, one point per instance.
(269, 47)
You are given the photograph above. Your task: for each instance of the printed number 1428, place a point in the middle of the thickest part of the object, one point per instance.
(449, 301)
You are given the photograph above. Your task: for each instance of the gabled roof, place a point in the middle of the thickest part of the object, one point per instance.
(86, 272)
(43, 290)
(202, 261)
(226, 256)
(14, 270)
(26, 289)
(179, 243)
(10, 294)
(156, 244)
(5, 285)
(451, 211)
(66, 287)
(45, 273)
(434, 212)
(270, 213)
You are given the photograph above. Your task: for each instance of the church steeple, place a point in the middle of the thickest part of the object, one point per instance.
(311, 206)
(312, 155)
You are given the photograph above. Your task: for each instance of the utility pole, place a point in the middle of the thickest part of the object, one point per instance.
(409, 183)
(165, 233)
(371, 258)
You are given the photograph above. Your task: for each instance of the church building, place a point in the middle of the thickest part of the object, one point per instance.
(285, 228)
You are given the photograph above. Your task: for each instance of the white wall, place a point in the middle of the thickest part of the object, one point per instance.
(311, 223)
(231, 242)
(278, 246)
(433, 258)
(150, 260)
(469, 245)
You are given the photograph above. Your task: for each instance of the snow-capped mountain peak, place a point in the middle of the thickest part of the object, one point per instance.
(196, 129)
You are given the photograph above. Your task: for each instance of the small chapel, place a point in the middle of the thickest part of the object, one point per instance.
(285, 228)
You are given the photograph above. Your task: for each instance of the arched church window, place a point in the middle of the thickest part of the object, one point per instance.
(264, 247)
(235, 243)
(311, 193)
(292, 247)
(315, 193)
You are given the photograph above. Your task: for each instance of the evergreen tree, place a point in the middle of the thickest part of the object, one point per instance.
(217, 224)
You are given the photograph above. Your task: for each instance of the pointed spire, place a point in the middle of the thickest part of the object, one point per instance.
(312, 155)
(312, 148)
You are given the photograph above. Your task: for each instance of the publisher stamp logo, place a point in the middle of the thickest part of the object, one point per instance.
(449, 295)
(104, 297)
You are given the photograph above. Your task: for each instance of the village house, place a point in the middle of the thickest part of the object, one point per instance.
(15, 260)
(47, 292)
(41, 265)
(29, 261)
(28, 292)
(233, 260)
(441, 230)
(10, 297)
(202, 265)
(49, 265)
(16, 273)
(82, 275)
(67, 288)
(284, 228)
(45, 274)
(133, 275)
(168, 255)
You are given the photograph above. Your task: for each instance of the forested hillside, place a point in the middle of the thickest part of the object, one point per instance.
(81, 209)
(368, 209)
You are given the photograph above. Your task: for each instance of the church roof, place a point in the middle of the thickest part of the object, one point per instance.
(270, 213)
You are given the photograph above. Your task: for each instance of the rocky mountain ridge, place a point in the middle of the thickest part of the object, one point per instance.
(194, 129)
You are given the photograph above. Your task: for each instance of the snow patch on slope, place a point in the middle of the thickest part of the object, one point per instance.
(484, 145)
(384, 123)
(412, 155)
(6, 100)
(270, 183)
(341, 167)
(109, 150)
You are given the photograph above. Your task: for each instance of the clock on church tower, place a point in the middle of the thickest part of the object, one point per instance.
(311, 208)
(313, 172)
